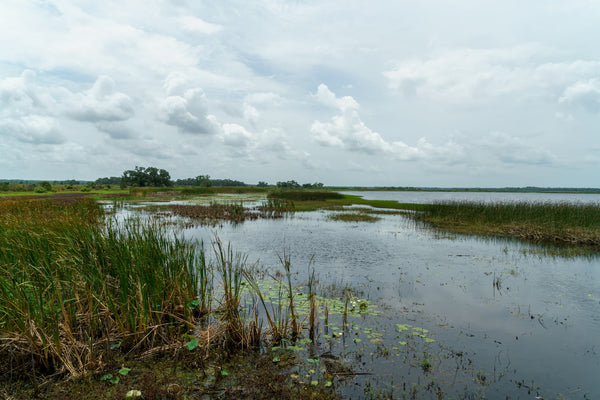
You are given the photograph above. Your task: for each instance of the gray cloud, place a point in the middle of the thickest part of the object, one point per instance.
(513, 150)
(33, 129)
(416, 74)
(116, 130)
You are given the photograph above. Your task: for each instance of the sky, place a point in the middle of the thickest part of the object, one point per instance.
(466, 93)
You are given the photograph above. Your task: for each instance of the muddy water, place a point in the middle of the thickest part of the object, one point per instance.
(458, 317)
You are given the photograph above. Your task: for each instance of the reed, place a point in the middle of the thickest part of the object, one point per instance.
(560, 223)
(313, 306)
(230, 267)
(72, 285)
(305, 195)
(274, 310)
(296, 327)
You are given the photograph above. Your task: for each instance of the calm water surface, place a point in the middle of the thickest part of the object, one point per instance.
(500, 322)
(488, 197)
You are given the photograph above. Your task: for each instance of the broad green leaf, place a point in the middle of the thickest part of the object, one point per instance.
(192, 344)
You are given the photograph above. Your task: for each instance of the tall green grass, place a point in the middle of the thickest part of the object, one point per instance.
(305, 195)
(568, 223)
(72, 285)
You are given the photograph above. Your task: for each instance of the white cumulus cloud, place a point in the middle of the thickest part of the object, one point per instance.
(235, 135)
(189, 113)
(101, 103)
(34, 129)
(349, 132)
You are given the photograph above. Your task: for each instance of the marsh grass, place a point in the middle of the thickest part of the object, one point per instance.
(215, 213)
(277, 207)
(82, 296)
(72, 286)
(557, 223)
(354, 217)
(75, 287)
(153, 193)
(305, 195)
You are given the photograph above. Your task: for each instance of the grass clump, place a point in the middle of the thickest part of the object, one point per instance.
(556, 223)
(354, 217)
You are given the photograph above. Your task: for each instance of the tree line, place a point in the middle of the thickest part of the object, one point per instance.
(151, 176)
(145, 177)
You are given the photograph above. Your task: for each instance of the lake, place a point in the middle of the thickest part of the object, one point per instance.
(454, 316)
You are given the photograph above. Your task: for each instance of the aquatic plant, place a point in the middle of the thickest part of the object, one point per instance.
(557, 223)
(72, 286)
(354, 217)
(305, 195)
(215, 212)
(230, 267)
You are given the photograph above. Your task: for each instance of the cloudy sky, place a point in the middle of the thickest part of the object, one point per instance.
(403, 93)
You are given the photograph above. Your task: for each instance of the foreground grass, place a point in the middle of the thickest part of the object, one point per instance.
(71, 286)
(554, 223)
(102, 303)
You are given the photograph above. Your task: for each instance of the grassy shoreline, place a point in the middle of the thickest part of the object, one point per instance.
(563, 224)
(532, 222)
(547, 223)
(86, 302)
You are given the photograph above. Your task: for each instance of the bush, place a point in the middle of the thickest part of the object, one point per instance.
(46, 185)
(40, 189)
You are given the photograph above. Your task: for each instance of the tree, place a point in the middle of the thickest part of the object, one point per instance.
(142, 177)
(203, 180)
(288, 185)
(113, 180)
